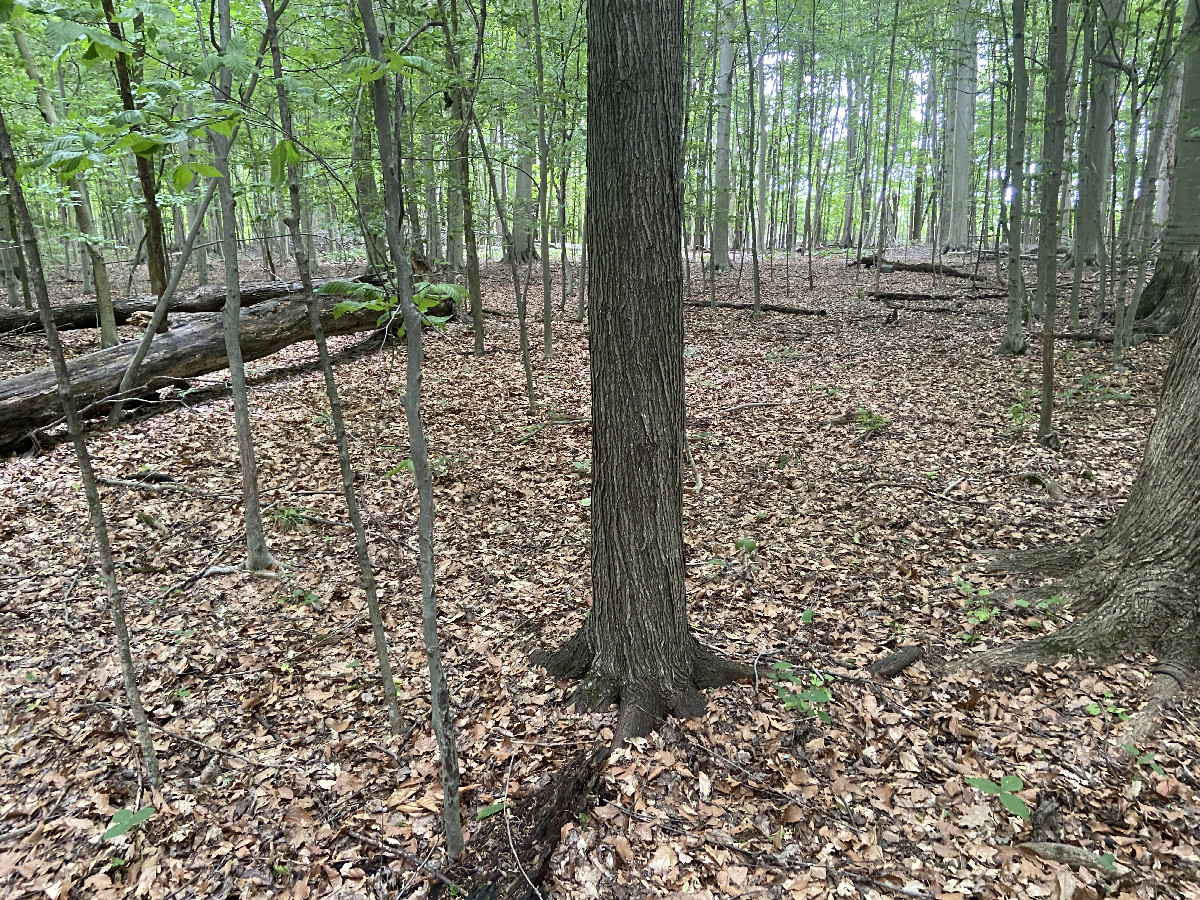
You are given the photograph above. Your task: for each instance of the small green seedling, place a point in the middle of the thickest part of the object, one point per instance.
(809, 698)
(871, 422)
(1005, 792)
(491, 809)
(745, 545)
(583, 467)
(1143, 759)
(124, 820)
(1095, 709)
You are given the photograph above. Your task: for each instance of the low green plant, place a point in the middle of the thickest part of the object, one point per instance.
(1106, 706)
(125, 820)
(745, 545)
(1022, 411)
(304, 597)
(802, 695)
(1005, 792)
(583, 467)
(1047, 606)
(870, 422)
(1143, 759)
(289, 518)
(426, 295)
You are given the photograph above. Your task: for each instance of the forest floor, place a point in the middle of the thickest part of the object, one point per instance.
(850, 476)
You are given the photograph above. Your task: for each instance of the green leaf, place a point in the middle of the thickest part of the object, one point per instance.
(745, 545)
(806, 617)
(181, 177)
(1015, 805)
(585, 502)
(986, 785)
(282, 156)
(1011, 783)
(405, 465)
(1092, 709)
(491, 809)
(1108, 860)
(206, 170)
(125, 819)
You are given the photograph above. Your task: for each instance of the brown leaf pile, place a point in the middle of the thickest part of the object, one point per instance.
(848, 476)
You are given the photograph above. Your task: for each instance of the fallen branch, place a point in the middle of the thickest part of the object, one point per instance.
(895, 663)
(206, 299)
(763, 307)
(29, 402)
(1070, 855)
(927, 268)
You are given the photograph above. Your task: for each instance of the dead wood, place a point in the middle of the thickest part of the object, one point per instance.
(763, 307)
(895, 663)
(515, 855)
(29, 402)
(927, 268)
(206, 299)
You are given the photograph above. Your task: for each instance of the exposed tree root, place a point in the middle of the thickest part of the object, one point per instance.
(1125, 604)
(644, 705)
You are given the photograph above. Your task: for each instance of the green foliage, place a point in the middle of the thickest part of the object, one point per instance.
(491, 809)
(426, 295)
(583, 467)
(284, 155)
(1022, 412)
(806, 696)
(745, 545)
(1143, 759)
(289, 518)
(1096, 708)
(124, 820)
(1005, 792)
(870, 422)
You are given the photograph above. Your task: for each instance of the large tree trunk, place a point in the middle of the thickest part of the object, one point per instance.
(1162, 301)
(30, 401)
(1137, 580)
(1095, 157)
(210, 298)
(635, 646)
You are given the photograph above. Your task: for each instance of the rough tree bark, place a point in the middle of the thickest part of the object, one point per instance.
(1136, 581)
(635, 646)
(1161, 305)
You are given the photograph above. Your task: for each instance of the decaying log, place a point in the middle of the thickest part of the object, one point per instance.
(206, 299)
(895, 663)
(927, 268)
(29, 402)
(764, 307)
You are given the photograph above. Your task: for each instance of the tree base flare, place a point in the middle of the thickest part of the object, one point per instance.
(644, 703)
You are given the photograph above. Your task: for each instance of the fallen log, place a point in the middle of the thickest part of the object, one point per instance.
(927, 268)
(763, 307)
(29, 402)
(206, 299)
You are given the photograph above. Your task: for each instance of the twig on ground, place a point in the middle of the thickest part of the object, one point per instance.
(404, 854)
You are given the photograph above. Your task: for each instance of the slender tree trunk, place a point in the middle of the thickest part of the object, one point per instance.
(258, 557)
(543, 190)
(1014, 337)
(1052, 160)
(156, 252)
(366, 571)
(881, 244)
(719, 254)
(116, 602)
(441, 713)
